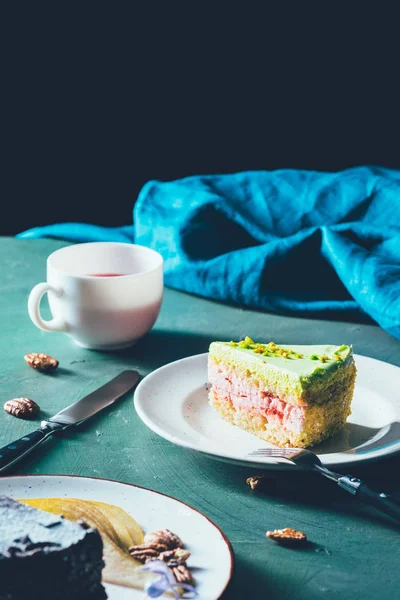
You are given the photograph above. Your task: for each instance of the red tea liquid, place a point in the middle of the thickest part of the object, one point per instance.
(106, 274)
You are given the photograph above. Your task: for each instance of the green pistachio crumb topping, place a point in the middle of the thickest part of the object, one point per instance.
(270, 349)
(339, 350)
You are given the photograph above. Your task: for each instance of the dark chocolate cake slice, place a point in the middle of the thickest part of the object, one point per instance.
(48, 557)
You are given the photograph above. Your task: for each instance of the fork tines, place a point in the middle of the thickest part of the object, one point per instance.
(275, 452)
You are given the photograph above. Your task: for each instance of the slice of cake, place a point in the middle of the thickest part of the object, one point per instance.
(45, 556)
(290, 396)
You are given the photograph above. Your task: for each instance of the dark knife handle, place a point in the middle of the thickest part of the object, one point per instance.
(14, 451)
(382, 501)
(360, 490)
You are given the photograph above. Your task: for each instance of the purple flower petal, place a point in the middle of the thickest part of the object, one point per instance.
(166, 582)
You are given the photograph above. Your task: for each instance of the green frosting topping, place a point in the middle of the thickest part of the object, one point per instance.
(291, 368)
(272, 350)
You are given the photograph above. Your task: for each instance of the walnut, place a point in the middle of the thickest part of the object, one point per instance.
(170, 550)
(182, 574)
(287, 537)
(23, 408)
(145, 552)
(144, 555)
(163, 536)
(41, 361)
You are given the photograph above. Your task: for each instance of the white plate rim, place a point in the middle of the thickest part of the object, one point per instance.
(352, 459)
(140, 487)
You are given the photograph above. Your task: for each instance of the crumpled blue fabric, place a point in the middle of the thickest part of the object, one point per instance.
(289, 241)
(80, 232)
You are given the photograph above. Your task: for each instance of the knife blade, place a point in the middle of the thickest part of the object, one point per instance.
(101, 398)
(73, 415)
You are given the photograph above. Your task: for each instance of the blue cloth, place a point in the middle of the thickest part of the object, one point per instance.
(298, 242)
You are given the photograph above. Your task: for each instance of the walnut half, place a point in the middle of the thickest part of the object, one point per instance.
(41, 361)
(145, 552)
(287, 537)
(23, 408)
(163, 536)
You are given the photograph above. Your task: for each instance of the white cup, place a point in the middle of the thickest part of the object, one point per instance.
(100, 311)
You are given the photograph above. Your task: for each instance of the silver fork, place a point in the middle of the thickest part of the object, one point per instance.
(310, 461)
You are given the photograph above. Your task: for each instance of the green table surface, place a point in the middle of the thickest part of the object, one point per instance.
(354, 551)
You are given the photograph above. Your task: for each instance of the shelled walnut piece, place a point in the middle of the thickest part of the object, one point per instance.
(168, 547)
(144, 552)
(163, 536)
(41, 361)
(23, 408)
(287, 537)
(182, 573)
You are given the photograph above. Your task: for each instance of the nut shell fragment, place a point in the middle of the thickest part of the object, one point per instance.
(41, 361)
(177, 556)
(287, 537)
(256, 482)
(23, 408)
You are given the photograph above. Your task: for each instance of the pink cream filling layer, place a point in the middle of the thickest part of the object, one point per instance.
(244, 396)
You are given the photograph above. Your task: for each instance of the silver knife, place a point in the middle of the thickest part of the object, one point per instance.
(72, 415)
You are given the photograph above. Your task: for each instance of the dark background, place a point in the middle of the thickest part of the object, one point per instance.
(99, 97)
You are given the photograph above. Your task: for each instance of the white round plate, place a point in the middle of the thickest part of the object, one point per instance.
(173, 402)
(211, 553)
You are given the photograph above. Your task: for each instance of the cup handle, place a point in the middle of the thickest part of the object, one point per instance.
(56, 324)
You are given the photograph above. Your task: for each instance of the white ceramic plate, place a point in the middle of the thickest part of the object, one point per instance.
(172, 401)
(211, 558)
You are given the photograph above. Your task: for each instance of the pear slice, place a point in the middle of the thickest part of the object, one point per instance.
(127, 529)
(118, 531)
